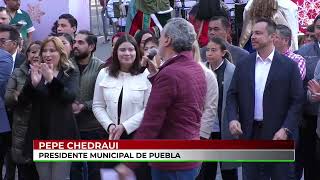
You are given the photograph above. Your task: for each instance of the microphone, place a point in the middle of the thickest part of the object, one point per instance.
(152, 53)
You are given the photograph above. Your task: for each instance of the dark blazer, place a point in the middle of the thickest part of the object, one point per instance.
(282, 99)
(51, 114)
(20, 58)
(6, 64)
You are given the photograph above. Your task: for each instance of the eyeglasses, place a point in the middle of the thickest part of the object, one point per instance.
(3, 41)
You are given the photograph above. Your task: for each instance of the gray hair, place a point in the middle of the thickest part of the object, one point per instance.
(284, 32)
(182, 34)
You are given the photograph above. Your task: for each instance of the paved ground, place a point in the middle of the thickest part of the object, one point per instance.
(103, 49)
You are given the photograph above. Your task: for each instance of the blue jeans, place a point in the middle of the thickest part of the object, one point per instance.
(189, 174)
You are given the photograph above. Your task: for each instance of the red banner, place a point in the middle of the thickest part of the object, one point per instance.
(160, 144)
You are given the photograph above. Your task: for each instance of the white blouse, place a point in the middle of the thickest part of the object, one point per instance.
(136, 91)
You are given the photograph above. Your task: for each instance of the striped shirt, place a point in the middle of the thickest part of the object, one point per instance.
(299, 60)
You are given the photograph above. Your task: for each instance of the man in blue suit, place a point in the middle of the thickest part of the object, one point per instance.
(6, 64)
(265, 99)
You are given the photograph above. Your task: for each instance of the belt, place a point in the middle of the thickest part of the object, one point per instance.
(258, 123)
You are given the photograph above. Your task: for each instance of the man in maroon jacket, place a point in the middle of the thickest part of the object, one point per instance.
(177, 98)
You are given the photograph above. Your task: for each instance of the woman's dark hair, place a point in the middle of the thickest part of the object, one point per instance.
(54, 29)
(31, 44)
(151, 39)
(115, 65)
(223, 45)
(138, 35)
(68, 37)
(206, 9)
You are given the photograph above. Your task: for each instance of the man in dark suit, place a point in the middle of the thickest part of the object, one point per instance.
(219, 26)
(265, 99)
(6, 65)
(10, 41)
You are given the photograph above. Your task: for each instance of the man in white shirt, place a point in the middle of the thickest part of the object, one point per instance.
(266, 91)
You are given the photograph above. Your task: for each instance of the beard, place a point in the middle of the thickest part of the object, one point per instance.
(80, 55)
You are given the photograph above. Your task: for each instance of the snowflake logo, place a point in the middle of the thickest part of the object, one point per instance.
(35, 12)
(307, 11)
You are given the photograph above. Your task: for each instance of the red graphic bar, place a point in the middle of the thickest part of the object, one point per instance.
(160, 144)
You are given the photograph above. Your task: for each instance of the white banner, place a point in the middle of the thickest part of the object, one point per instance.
(176, 155)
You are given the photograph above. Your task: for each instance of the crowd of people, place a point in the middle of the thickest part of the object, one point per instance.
(188, 82)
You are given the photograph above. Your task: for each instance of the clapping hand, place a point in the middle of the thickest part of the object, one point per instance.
(47, 71)
(35, 74)
(16, 94)
(314, 88)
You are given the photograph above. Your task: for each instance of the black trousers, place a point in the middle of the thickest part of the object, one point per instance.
(27, 172)
(318, 153)
(7, 159)
(265, 171)
(209, 169)
(5, 143)
(10, 166)
(306, 149)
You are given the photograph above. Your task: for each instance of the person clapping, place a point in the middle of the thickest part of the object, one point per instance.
(51, 89)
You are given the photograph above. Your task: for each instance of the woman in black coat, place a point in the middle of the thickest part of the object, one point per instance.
(51, 89)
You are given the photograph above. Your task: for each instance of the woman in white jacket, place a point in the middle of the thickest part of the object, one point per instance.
(121, 92)
(211, 103)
